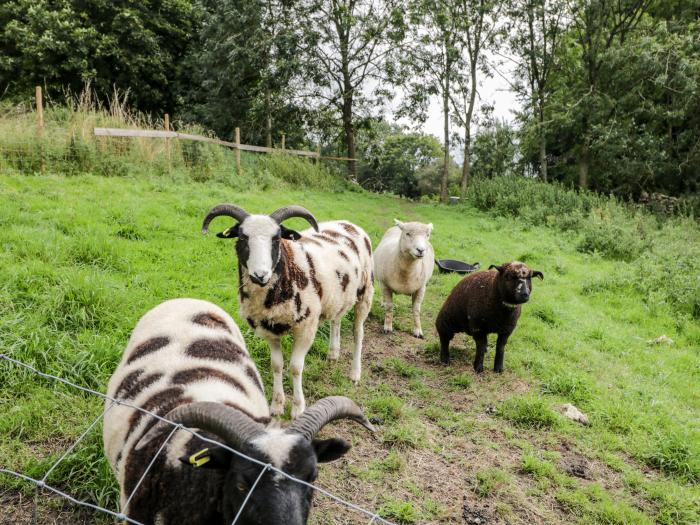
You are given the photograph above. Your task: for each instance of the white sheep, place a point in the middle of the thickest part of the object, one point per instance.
(187, 362)
(290, 281)
(403, 264)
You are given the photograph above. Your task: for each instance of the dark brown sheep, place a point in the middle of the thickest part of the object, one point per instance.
(485, 303)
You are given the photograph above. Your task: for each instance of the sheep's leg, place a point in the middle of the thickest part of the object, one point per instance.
(361, 312)
(417, 302)
(277, 405)
(303, 339)
(334, 350)
(500, 352)
(388, 305)
(481, 341)
(445, 339)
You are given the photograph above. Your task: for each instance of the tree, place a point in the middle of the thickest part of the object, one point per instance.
(478, 27)
(535, 34)
(429, 66)
(347, 45)
(244, 64)
(397, 162)
(136, 47)
(597, 26)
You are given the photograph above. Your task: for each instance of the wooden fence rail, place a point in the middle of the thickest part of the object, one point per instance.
(153, 133)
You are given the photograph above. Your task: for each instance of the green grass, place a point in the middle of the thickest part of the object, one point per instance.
(82, 257)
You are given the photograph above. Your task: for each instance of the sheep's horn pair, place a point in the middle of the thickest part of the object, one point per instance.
(233, 426)
(279, 215)
(326, 410)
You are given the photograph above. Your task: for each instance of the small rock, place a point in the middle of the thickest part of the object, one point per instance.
(574, 414)
(472, 516)
(661, 340)
(491, 410)
(579, 469)
(376, 420)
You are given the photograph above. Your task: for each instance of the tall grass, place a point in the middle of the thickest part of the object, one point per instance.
(68, 146)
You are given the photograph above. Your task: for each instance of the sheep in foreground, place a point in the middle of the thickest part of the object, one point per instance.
(187, 362)
(485, 303)
(290, 281)
(403, 264)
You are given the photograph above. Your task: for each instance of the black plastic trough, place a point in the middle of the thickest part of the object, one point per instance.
(450, 265)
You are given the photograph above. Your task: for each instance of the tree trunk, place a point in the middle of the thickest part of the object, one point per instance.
(349, 136)
(467, 165)
(543, 158)
(446, 114)
(584, 164)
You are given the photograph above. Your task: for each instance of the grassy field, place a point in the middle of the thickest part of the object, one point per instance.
(83, 257)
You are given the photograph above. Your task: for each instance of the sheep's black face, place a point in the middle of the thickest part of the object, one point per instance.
(276, 499)
(258, 245)
(515, 282)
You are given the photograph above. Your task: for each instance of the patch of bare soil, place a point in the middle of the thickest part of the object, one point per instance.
(17, 509)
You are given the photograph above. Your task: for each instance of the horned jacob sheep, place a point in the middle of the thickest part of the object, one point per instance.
(485, 303)
(187, 362)
(403, 264)
(288, 282)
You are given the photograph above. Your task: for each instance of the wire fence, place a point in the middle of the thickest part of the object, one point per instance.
(41, 484)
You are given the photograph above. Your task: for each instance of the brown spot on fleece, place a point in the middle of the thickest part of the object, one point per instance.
(211, 320)
(312, 275)
(368, 245)
(349, 228)
(290, 275)
(147, 347)
(193, 375)
(344, 279)
(133, 384)
(221, 349)
(160, 403)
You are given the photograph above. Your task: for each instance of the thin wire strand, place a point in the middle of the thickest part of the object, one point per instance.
(75, 444)
(145, 472)
(203, 438)
(70, 498)
(250, 492)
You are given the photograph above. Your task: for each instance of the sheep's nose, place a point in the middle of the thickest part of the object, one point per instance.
(260, 277)
(420, 251)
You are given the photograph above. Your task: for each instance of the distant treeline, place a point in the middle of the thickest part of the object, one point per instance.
(610, 90)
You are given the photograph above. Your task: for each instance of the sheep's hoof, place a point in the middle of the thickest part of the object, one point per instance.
(355, 377)
(333, 355)
(276, 411)
(498, 369)
(479, 369)
(418, 335)
(387, 330)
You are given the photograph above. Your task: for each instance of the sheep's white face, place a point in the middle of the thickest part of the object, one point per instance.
(258, 247)
(415, 238)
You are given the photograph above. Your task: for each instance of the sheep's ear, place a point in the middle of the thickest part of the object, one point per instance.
(430, 228)
(290, 234)
(499, 268)
(398, 223)
(230, 233)
(209, 458)
(329, 449)
(538, 274)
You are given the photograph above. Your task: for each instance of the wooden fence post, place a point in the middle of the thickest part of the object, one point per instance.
(238, 151)
(40, 125)
(283, 136)
(318, 153)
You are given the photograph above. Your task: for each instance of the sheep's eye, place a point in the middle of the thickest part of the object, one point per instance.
(242, 487)
(408, 234)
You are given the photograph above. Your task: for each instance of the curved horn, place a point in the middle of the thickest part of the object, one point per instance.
(229, 210)
(231, 425)
(326, 410)
(287, 212)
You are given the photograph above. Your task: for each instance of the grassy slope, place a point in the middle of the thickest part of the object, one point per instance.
(82, 258)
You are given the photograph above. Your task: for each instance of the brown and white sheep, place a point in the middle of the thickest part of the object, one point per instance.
(485, 303)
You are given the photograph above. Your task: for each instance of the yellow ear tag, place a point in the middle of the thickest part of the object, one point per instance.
(198, 458)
